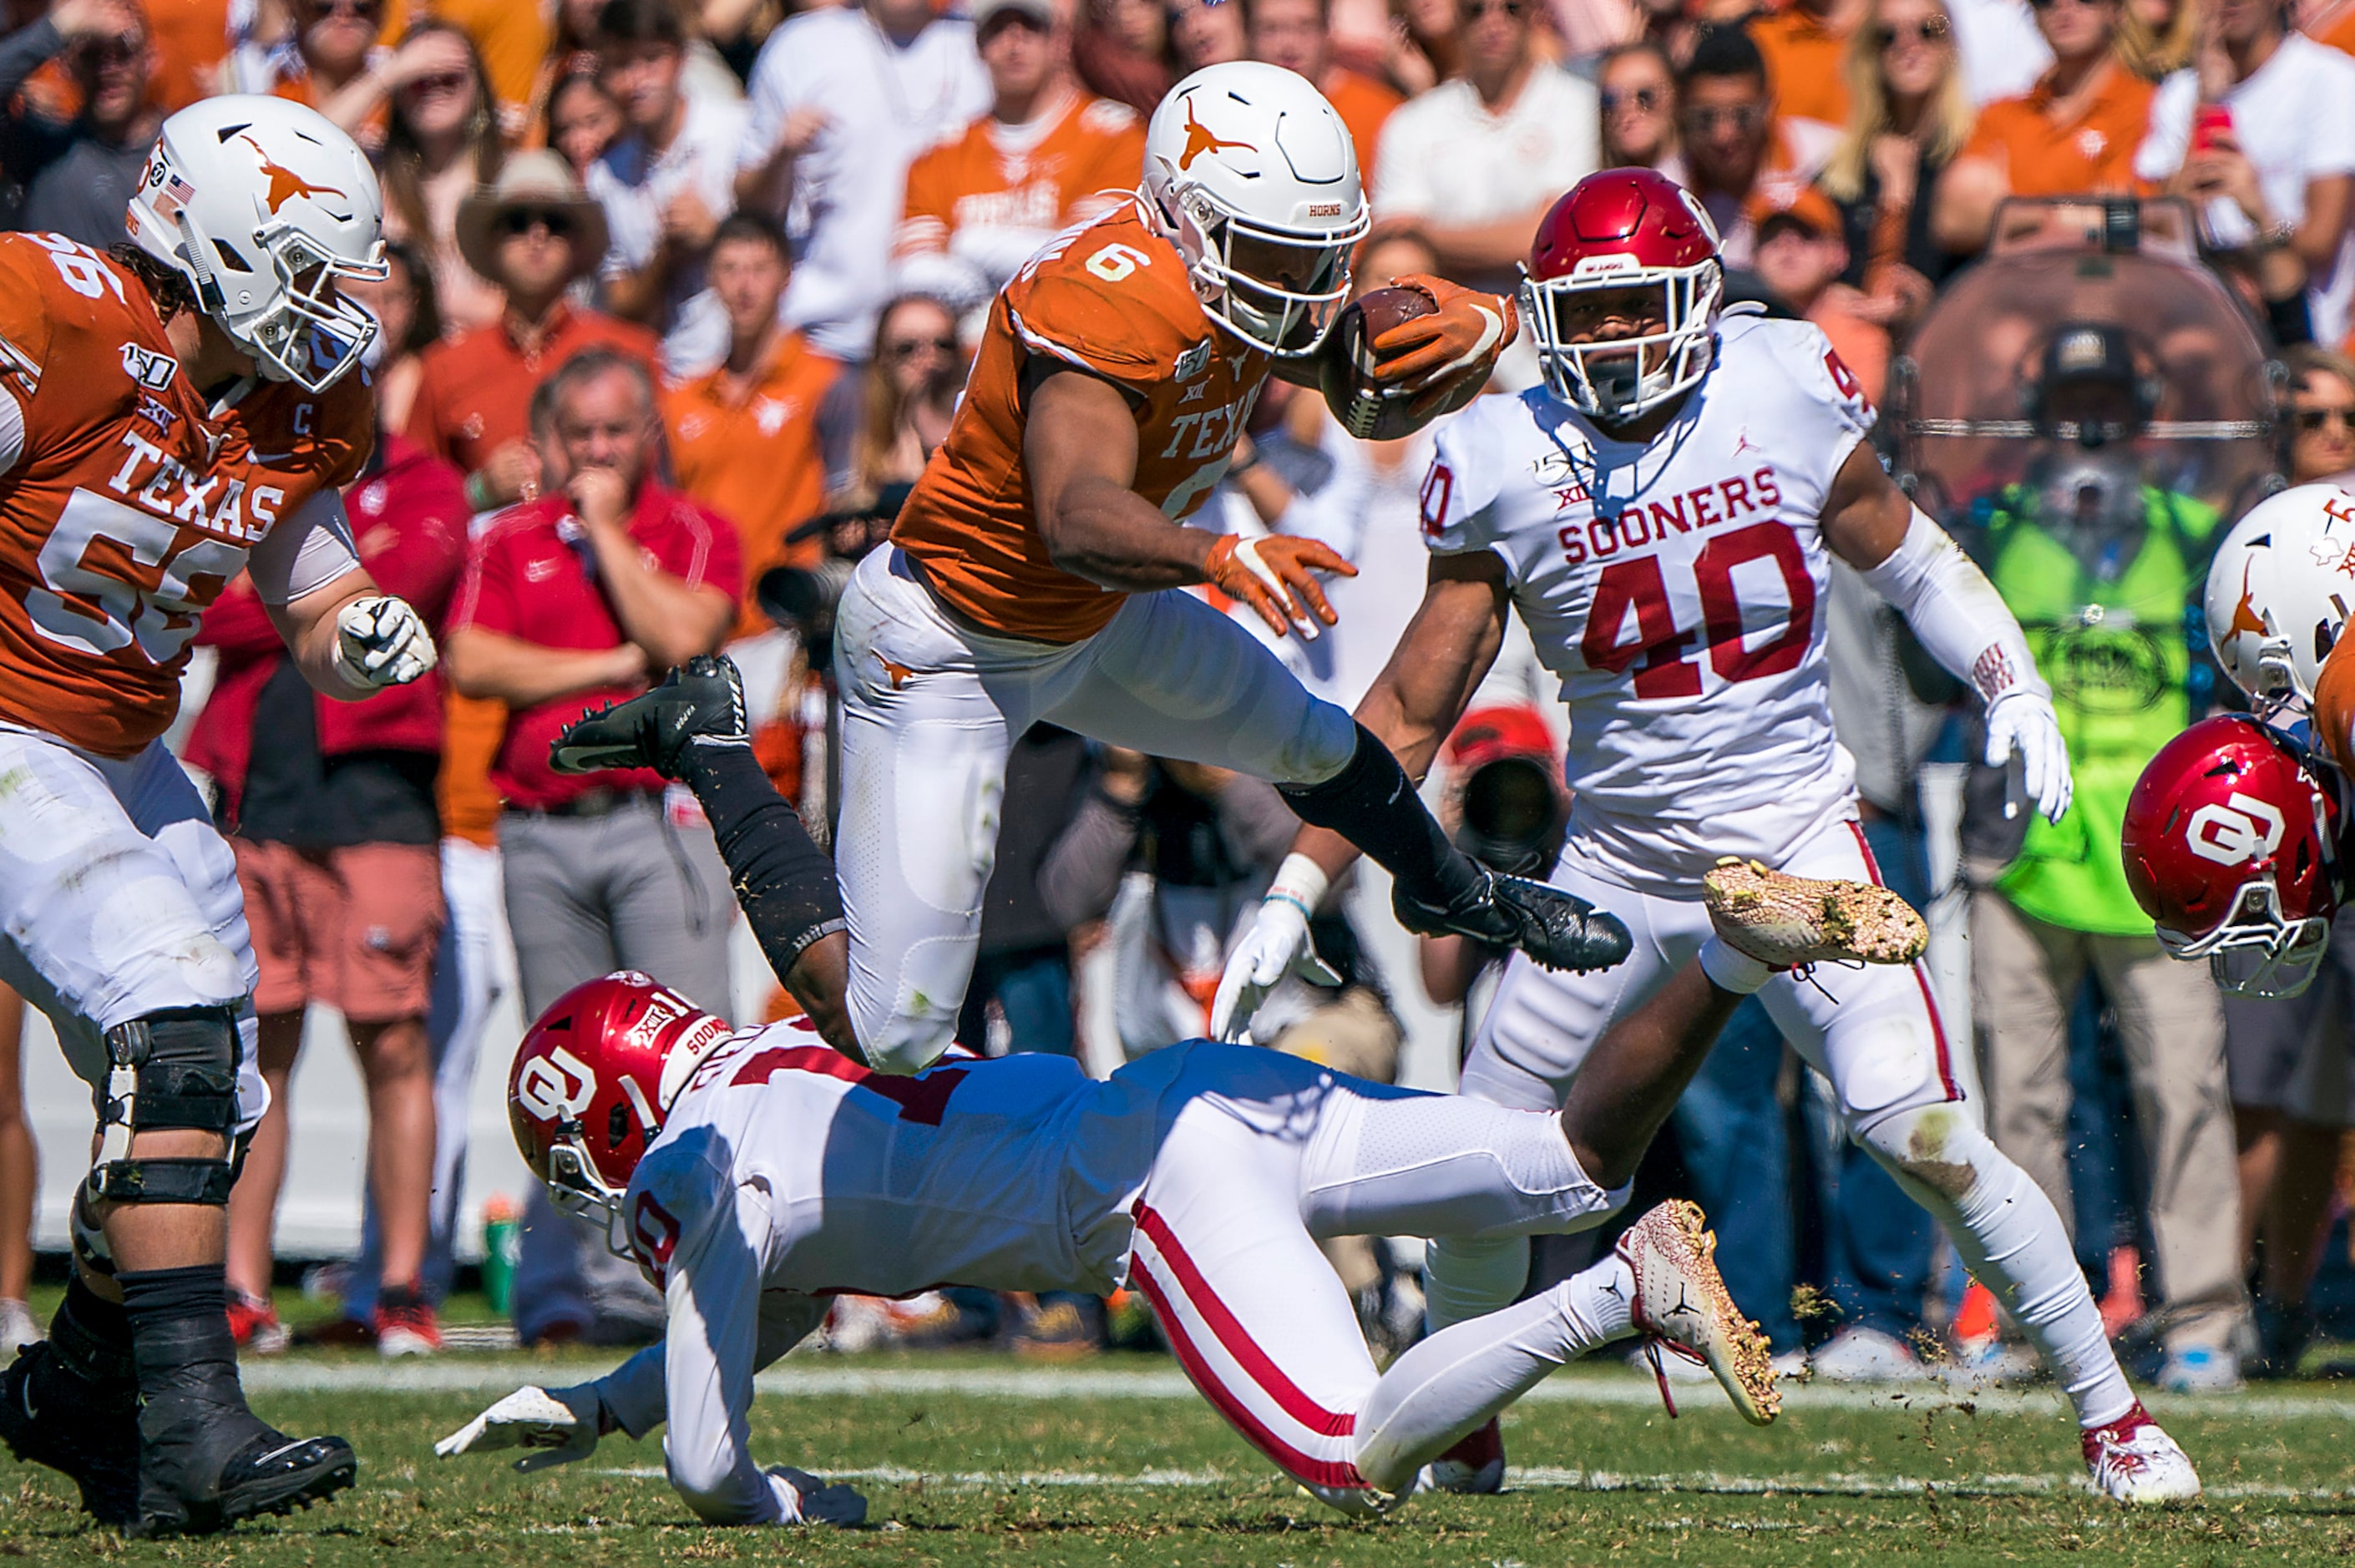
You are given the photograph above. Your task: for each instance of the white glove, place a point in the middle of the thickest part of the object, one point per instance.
(1276, 944)
(808, 1501)
(2022, 724)
(563, 1423)
(382, 642)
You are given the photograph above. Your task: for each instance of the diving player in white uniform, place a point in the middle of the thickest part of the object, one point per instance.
(1661, 513)
(766, 1172)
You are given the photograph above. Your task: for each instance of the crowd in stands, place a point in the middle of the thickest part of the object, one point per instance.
(681, 299)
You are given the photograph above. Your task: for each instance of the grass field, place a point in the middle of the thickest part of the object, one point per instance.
(975, 1460)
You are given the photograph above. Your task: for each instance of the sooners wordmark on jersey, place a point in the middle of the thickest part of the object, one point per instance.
(1676, 587)
(1110, 297)
(126, 505)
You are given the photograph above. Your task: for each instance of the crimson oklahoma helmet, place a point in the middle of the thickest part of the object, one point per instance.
(593, 1080)
(2230, 849)
(1625, 229)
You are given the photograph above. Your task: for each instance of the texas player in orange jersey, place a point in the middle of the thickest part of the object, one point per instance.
(171, 415)
(1037, 570)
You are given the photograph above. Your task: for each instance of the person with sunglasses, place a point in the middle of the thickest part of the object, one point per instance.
(2075, 132)
(78, 172)
(1637, 86)
(1475, 162)
(535, 234)
(1909, 114)
(2261, 135)
(1745, 159)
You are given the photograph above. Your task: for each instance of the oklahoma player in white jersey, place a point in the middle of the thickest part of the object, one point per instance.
(764, 1171)
(1661, 513)
(170, 415)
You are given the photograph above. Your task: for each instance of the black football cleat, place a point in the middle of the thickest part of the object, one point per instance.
(700, 702)
(219, 1464)
(85, 1429)
(1557, 931)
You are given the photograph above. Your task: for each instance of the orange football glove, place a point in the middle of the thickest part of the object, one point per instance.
(1258, 572)
(1437, 353)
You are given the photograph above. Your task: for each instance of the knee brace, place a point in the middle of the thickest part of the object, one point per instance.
(174, 1069)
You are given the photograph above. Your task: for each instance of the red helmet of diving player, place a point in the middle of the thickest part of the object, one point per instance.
(593, 1080)
(1616, 231)
(2230, 849)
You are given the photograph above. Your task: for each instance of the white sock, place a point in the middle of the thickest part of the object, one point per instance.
(1600, 1303)
(1466, 1278)
(2011, 1240)
(1453, 1381)
(1730, 969)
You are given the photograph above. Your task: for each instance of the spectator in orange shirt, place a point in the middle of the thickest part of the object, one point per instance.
(746, 440)
(512, 40)
(535, 233)
(1047, 155)
(1803, 44)
(1296, 35)
(2074, 134)
(1909, 115)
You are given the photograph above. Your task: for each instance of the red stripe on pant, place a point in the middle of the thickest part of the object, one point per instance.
(1920, 978)
(1186, 1280)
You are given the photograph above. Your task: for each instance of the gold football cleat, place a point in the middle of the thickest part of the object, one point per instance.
(1787, 921)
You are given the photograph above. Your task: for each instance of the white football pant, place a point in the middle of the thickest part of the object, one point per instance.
(930, 711)
(1875, 1035)
(120, 899)
(1269, 1155)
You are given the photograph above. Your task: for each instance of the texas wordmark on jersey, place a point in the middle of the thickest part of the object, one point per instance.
(1677, 587)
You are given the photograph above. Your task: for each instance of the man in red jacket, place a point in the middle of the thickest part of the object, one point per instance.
(567, 601)
(330, 808)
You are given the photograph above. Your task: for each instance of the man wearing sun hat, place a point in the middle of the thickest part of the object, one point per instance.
(535, 233)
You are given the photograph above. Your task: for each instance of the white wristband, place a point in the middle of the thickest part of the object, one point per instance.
(1301, 880)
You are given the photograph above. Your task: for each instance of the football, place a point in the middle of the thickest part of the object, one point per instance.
(1366, 409)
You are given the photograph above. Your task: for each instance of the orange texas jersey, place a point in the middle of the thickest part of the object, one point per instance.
(125, 507)
(1110, 297)
(1094, 146)
(2334, 704)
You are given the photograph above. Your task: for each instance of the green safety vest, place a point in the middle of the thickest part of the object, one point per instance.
(2118, 659)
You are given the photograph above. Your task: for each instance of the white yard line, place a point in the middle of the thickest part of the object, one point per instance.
(818, 1380)
(1542, 1478)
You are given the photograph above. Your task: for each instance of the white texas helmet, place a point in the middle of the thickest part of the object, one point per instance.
(263, 203)
(2280, 588)
(1254, 177)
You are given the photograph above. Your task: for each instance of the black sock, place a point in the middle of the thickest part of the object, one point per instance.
(1373, 804)
(783, 881)
(180, 1338)
(91, 1336)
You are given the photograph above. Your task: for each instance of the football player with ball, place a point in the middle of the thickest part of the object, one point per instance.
(1662, 512)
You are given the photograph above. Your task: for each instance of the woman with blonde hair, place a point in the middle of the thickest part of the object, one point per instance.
(2158, 38)
(1636, 88)
(910, 393)
(1909, 114)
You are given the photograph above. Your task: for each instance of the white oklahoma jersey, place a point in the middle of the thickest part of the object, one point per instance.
(1200, 1174)
(1677, 587)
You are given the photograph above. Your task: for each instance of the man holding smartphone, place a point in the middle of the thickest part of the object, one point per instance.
(2274, 180)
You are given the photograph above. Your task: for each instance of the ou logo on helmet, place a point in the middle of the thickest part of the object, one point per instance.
(2243, 831)
(557, 1086)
